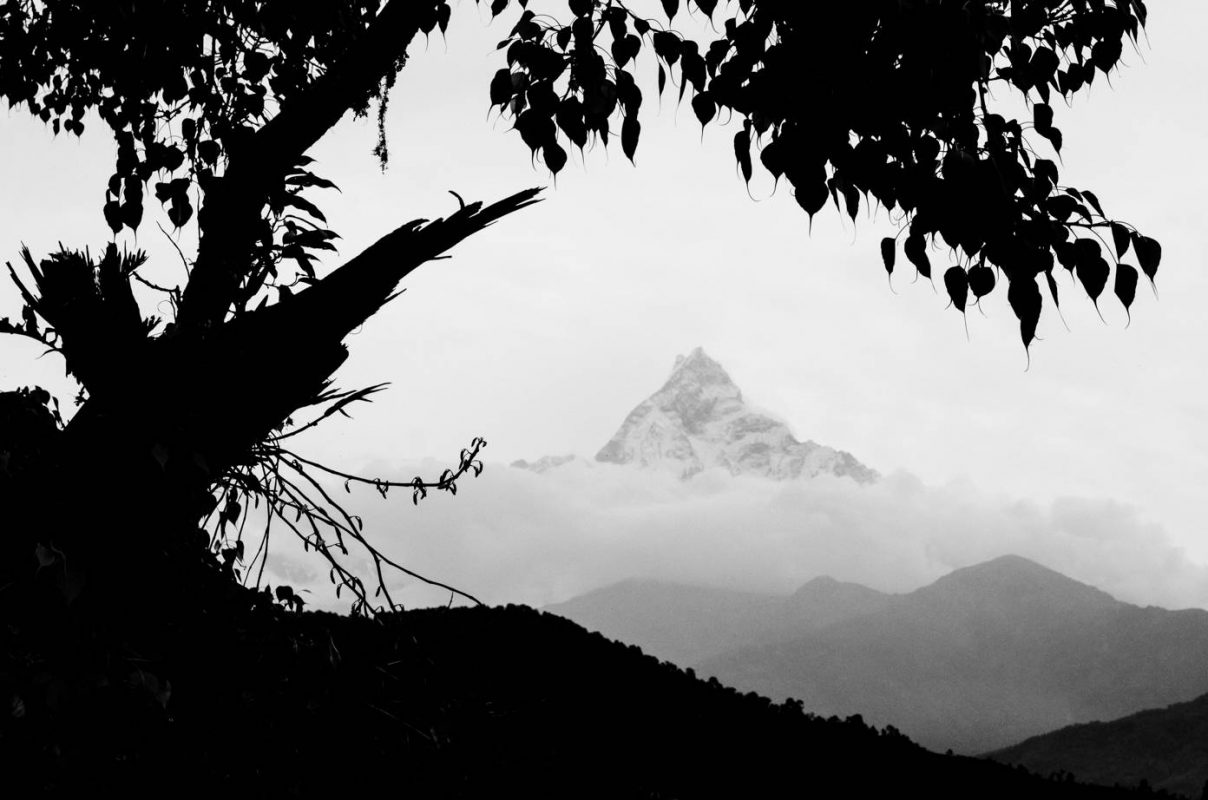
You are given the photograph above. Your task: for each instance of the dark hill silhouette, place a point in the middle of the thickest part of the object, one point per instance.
(687, 624)
(478, 702)
(1167, 747)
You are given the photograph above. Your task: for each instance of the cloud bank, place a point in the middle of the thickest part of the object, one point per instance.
(512, 536)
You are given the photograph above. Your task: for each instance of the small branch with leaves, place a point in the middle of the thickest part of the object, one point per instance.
(293, 495)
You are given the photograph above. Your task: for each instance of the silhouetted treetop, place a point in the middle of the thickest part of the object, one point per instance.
(214, 105)
(883, 100)
(199, 90)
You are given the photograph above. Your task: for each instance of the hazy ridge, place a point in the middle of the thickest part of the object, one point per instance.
(980, 659)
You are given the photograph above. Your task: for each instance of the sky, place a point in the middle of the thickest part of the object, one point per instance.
(541, 333)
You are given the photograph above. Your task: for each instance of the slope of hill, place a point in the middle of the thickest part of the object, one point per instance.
(675, 622)
(689, 624)
(482, 702)
(986, 657)
(1166, 747)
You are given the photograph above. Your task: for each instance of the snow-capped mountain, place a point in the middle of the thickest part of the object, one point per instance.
(698, 420)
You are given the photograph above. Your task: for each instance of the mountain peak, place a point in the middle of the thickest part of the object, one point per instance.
(1013, 580)
(698, 420)
(697, 361)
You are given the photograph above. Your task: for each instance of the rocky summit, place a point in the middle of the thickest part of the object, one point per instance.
(698, 420)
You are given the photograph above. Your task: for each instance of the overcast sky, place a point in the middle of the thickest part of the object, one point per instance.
(544, 331)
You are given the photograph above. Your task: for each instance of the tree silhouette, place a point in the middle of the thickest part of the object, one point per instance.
(214, 105)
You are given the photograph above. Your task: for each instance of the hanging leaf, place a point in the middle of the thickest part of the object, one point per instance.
(1024, 296)
(631, 129)
(1093, 273)
(113, 216)
(704, 107)
(1126, 286)
(1149, 254)
(742, 152)
(981, 281)
(1048, 276)
(1120, 239)
(956, 281)
(1093, 199)
(570, 119)
(501, 87)
(555, 157)
(1042, 118)
(916, 252)
(811, 196)
(670, 7)
(888, 253)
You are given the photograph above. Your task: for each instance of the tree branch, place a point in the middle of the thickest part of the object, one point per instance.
(234, 202)
(335, 306)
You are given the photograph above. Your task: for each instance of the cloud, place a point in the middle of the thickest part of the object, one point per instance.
(515, 536)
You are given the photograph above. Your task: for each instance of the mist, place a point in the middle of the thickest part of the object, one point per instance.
(513, 536)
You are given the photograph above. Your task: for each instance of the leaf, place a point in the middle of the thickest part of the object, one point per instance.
(670, 7)
(180, 211)
(1120, 239)
(1042, 118)
(851, 199)
(304, 205)
(625, 49)
(1126, 285)
(981, 281)
(916, 252)
(501, 87)
(1149, 254)
(956, 281)
(667, 46)
(704, 107)
(1024, 296)
(812, 196)
(113, 215)
(570, 119)
(888, 253)
(631, 129)
(1093, 274)
(537, 130)
(742, 153)
(555, 157)
(1055, 138)
(1093, 199)
(1048, 276)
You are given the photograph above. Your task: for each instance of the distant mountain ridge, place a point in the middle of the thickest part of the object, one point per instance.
(980, 659)
(687, 624)
(698, 420)
(1166, 747)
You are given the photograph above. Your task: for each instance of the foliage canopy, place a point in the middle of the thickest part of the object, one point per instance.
(214, 104)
